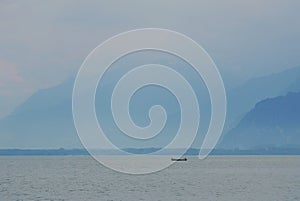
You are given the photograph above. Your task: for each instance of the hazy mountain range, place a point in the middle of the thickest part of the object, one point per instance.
(242, 99)
(273, 122)
(260, 112)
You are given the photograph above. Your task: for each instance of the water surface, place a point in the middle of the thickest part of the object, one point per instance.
(215, 178)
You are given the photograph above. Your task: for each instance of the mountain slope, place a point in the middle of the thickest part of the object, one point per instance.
(43, 121)
(243, 99)
(273, 122)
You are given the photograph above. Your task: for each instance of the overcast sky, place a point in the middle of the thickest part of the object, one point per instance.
(44, 42)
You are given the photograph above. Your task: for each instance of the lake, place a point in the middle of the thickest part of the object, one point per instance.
(239, 178)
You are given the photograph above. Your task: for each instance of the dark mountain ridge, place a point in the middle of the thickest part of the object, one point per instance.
(272, 122)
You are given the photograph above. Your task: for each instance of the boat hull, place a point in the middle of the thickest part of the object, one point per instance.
(178, 159)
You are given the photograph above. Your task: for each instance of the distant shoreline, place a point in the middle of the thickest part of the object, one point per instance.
(189, 152)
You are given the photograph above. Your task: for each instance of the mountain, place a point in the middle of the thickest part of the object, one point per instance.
(242, 99)
(273, 122)
(45, 119)
(42, 121)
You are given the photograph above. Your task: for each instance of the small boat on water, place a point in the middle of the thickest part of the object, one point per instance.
(178, 159)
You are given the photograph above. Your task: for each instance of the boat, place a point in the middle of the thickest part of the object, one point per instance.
(178, 159)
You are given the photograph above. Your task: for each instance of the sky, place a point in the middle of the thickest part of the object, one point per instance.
(44, 43)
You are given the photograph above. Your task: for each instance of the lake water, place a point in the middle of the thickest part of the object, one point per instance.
(231, 178)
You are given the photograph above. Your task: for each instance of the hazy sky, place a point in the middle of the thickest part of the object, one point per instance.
(45, 42)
